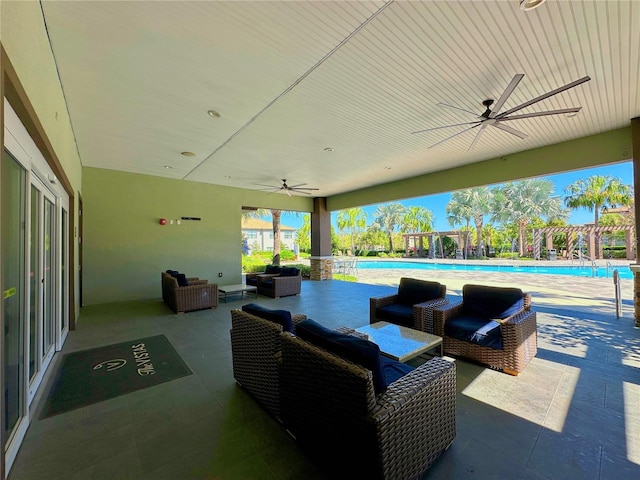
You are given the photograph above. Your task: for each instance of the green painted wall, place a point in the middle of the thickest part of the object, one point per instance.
(609, 147)
(125, 248)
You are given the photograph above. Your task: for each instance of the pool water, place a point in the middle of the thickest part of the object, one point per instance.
(577, 271)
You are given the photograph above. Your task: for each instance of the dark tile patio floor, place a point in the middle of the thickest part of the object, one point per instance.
(574, 413)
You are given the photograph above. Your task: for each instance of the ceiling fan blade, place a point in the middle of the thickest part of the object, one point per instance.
(507, 93)
(541, 114)
(304, 188)
(475, 114)
(546, 95)
(448, 126)
(264, 185)
(454, 135)
(287, 191)
(297, 186)
(510, 130)
(477, 137)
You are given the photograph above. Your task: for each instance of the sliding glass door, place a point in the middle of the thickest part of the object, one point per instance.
(13, 280)
(35, 272)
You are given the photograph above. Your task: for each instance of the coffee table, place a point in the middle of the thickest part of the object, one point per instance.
(240, 288)
(400, 343)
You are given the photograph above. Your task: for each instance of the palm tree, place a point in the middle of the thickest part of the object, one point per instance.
(353, 219)
(387, 218)
(459, 212)
(475, 202)
(275, 220)
(519, 202)
(597, 192)
(417, 219)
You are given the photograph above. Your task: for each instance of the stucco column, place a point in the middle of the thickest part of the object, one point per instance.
(321, 258)
(635, 142)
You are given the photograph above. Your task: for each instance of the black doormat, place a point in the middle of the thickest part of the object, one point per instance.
(98, 374)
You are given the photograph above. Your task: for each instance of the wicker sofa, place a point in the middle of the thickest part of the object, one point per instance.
(331, 406)
(255, 347)
(287, 282)
(411, 306)
(193, 294)
(494, 326)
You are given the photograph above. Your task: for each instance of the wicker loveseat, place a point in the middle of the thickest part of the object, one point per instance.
(183, 294)
(331, 406)
(251, 278)
(287, 282)
(255, 347)
(494, 326)
(411, 306)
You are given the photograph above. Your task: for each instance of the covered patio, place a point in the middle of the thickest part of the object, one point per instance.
(572, 413)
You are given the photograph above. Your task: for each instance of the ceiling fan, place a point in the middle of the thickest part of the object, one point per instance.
(299, 188)
(492, 117)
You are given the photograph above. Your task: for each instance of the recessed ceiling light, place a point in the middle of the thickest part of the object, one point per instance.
(188, 154)
(213, 113)
(527, 5)
(168, 167)
(387, 167)
(328, 149)
(227, 176)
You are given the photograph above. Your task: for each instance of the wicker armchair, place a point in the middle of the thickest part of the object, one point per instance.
(516, 331)
(330, 407)
(199, 294)
(412, 306)
(281, 285)
(255, 347)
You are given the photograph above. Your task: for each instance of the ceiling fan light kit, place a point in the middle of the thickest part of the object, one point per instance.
(492, 118)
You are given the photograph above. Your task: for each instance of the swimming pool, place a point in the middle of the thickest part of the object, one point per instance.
(577, 271)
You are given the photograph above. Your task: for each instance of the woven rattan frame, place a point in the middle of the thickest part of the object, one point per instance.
(281, 287)
(329, 406)
(422, 312)
(519, 339)
(199, 294)
(255, 349)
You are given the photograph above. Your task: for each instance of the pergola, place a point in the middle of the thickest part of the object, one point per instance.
(417, 240)
(582, 233)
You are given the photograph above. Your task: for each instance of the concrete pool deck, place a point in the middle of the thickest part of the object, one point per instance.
(595, 294)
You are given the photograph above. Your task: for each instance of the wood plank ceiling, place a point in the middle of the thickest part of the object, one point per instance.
(291, 79)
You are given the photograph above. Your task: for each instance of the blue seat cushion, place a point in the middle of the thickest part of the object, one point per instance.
(491, 302)
(412, 291)
(272, 269)
(479, 330)
(289, 272)
(252, 281)
(393, 370)
(267, 283)
(182, 280)
(398, 313)
(281, 317)
(352, 348)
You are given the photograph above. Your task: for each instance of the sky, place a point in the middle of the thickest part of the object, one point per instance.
(437, 203)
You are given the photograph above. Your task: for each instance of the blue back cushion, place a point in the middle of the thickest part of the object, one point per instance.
(272, 269)
(289, 272)
(173, 273)
(412, 291)
(281, 317)
(357, 350)
(491, 302)
(182, 280)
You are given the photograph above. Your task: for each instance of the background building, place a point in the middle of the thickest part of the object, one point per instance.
(259, 235)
